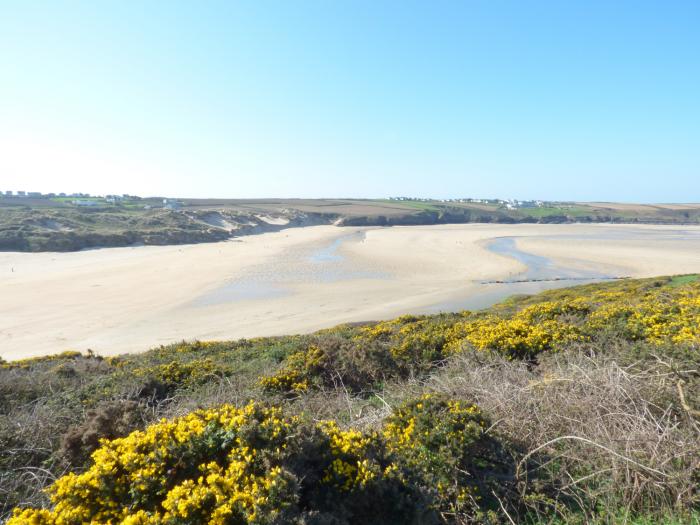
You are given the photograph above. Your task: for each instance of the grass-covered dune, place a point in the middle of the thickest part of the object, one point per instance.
(578, 405)
(65, 228)
(44, 224)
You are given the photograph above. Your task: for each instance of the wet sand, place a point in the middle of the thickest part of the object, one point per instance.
(299, 280)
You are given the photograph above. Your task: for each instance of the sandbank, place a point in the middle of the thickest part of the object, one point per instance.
(297, 280)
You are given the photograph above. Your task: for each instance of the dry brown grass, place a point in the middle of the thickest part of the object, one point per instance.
(587, 433)
(599, 433)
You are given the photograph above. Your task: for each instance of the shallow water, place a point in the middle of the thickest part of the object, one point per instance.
(325, 264)
(541, 274)
(538, 267)
(240, 290)
(330, 253)
(328, 264)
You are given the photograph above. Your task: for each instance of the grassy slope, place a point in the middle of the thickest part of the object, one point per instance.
(68, 229)
(601, 362)
(56, 225)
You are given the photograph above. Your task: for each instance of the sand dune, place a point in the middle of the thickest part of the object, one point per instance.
(298, 280)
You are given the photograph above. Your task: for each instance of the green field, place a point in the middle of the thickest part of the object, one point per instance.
(571, 211)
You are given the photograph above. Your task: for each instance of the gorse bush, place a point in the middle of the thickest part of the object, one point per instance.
(162, 380)
(642, 311)
(341, 429)
(516, 338)
(444, 444)
(254, 465)
(331, 361)
(656, 314)
(26, 363)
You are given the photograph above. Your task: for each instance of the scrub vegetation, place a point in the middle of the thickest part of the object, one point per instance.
(57, 224)
(69, 228)
(577, 405)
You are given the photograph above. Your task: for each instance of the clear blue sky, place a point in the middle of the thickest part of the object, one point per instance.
(587, 100)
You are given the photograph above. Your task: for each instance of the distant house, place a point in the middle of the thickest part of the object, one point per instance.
(21, 193)
(82, 202)
(34, 194)
(8, 193)
(170, 204)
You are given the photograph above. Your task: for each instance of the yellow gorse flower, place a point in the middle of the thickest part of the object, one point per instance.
(172, 460)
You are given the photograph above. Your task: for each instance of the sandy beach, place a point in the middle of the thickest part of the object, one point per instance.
(298, 280)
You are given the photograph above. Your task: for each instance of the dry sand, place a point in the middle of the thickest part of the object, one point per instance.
(299, 280)
(634, 251)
